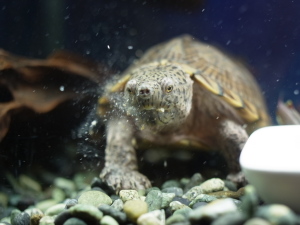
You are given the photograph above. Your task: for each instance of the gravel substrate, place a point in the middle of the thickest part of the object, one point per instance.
(181, 202)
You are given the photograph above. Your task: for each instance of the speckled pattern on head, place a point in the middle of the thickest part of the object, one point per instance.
(158, 95)
(182, 93)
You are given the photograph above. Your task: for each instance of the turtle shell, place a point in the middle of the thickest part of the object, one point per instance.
(210, 69)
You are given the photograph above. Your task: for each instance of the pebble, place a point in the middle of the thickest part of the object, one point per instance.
(230, 185)
(234, 218)
(74, 221)
(202, 198)
(151, 189)
(175, 205)
(181, 200)
(58, 194)
(154, 200)
(35, 215)
(175, 218)
(30, 183)
(70, 202)
(95, 198)
(184, 211)
(166, 199)
(156, 217)
(211, 185)
(47, 220)
(195, 180)
(277, 214)
(176, 190)
(250, 201)
(135, 208)
(126, 195)
(117, 214)
(86, 212)
(108, 220)
(213, 210)
(118, 204)
(20, 219)
(55, 210)
(170, 184)
(46, 204)
(3, 199)
(68, 186)
(257, 221)
(62, 217)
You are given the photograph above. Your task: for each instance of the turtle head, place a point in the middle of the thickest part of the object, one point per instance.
(158, 97)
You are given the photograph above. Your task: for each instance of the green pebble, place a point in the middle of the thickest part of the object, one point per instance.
(74, 221)
(175, 218)
(135, 208)
(277, 214)
(170, 183)
(183, 211)
(154, 200)
(118, 204)
(95, 198)
(44, 205)
(58, 194)
(55, 210)
(108, 220)
(86, 212)
(167, 199)
(202, 198)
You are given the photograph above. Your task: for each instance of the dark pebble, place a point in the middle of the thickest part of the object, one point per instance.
(98, 183)
(74, 221)
(230, 185)
(199, 204)
(176, 190)
(181, 200)
(62, 217)
(151, 189)
(170, 183)
(70, 202)
(119, 216)
(21, 219)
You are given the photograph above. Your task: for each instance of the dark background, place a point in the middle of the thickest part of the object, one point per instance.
(263, 34)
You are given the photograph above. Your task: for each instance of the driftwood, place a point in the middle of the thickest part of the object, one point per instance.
(42, 85)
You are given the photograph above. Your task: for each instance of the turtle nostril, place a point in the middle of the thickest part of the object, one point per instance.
(145, 91)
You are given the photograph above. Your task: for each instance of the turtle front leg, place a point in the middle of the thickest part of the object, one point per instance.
(121, 170)
(231, 140)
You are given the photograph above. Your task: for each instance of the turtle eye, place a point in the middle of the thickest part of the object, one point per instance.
(169, 88)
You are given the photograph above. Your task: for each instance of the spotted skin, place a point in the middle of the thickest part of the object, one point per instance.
(180, 93)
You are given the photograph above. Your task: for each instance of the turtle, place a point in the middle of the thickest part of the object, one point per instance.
(182, 92)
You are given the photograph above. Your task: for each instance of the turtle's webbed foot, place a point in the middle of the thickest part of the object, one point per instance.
(119, 178)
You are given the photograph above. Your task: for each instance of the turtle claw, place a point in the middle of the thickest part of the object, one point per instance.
(120, 178)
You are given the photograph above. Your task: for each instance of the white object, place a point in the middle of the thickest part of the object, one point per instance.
(270, 161)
